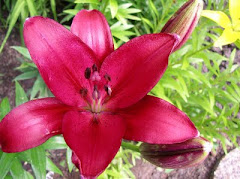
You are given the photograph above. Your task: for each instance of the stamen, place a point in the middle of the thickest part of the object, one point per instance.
(108, 90)
(87, 73)
(95, 76)
(94, 67)
(107, 77)
(95, 94)
(95, 87)
(83, 91)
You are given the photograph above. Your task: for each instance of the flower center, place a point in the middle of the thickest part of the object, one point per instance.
(99, 89)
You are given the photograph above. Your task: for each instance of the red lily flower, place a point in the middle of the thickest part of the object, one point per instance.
(100, 94)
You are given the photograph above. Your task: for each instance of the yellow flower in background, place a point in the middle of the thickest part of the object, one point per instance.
(231, 31)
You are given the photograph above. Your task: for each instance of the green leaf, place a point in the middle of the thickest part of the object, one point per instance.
(32, 7)
(6, 163)
(53, 7)
(22, 50)
(121, 31)
(8, 177)
(27, 75)
(146, 21)
(237, 43)
(38, 85)
(16, 170)
(27, 175)
(113, 7)
(87, 1)
(69, 159)
(56, 142)
(14, 16)
(21, 96)
(38, 161)
(4, 108)
(231, 60)
(52, 167)
(71, 11)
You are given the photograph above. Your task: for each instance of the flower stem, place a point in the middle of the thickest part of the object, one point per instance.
(190, 55)
(128, 145)
(204, 48)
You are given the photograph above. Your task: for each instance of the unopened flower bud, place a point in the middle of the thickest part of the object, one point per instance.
(184, 21)
(179, 155)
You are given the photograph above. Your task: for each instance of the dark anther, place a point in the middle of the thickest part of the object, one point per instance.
(87, 73)
(108, 90)
(83, 91)
(107, 77)
(94, 67)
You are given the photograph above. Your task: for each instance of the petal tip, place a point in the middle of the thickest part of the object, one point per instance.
(30, 20)
(87, 177)
(177, 40)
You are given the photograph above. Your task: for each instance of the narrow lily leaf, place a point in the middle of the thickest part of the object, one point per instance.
(71, 11)
(32, 7)
(27, 175)
(38, 161)
(23, 51)
(27, 75)
(6, 163)
(4, 107)
(38, 86)
(53, 7)
(153, 9)
(21, 96)
(231, 60)
(113, 7)
(52, 167)
(69, 159)
(56, 142)
(15, 14)
(17, 170)
(25, 156)
(87, 1)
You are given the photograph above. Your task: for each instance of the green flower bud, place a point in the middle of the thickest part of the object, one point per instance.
(184, 21)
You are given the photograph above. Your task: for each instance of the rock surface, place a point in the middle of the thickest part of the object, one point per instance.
(229, 166)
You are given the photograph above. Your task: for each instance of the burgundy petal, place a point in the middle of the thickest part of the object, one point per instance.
(178, 155)
(156, 121)
(31, 124)
(92, 28)
(136, 67)
(61, 58)
(94, 138)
